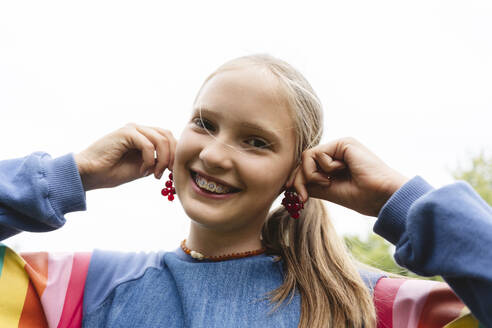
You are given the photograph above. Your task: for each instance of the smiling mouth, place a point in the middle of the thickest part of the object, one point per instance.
(211, 186)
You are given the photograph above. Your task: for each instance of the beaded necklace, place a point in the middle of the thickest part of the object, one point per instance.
(200, 256)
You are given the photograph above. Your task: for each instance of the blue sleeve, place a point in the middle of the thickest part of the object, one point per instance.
(36, 192)
(447, 232)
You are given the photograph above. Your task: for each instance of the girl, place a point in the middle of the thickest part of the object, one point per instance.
(254, 134)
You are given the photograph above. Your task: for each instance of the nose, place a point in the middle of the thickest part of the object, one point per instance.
(216, 155)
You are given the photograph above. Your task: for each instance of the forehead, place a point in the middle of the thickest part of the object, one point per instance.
(247, 95)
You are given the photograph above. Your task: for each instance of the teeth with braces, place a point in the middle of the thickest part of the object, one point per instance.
(211, 186)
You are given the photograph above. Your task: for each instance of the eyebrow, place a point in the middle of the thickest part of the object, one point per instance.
(274, 137)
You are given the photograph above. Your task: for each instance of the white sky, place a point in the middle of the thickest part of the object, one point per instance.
(411, 80)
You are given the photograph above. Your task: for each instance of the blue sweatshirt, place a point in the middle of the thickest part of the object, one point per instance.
(436, 232)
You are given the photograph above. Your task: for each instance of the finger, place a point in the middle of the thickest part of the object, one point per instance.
(327, 164)
(144, 145)
(310, 168)
(337, 149)
(161, 144)
(337, 165)
(320, 191)
(300, 186)
(172, 145)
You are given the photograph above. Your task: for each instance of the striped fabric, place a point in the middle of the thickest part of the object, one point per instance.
(41, 289)
(465, 320)
(46, 290)
(412, 303)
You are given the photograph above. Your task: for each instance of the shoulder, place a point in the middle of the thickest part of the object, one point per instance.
(57, 289)
(370, 277)
(42, 289)
(108, 269)
(414, 302)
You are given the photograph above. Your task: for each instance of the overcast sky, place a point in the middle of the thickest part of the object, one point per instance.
(410, 79)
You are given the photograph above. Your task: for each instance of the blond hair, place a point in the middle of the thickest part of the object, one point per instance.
(315, 260)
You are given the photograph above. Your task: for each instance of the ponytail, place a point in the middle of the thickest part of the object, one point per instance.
(316, 262)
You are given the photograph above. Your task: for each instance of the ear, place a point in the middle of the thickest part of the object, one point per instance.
(290, 180)
(292, 176)
(281, 190)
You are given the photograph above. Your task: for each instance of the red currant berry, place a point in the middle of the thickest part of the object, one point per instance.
(169, 184)
(295, 215)
(170, 197)
(164, 192)
(173, 190)
(170, 176)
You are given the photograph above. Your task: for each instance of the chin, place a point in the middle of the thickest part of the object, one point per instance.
(208, 220)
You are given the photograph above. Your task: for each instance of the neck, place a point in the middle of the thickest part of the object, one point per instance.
(211, 242)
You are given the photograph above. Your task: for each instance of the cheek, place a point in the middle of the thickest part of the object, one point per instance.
(186, 147)
(186, 150)
(265, 175)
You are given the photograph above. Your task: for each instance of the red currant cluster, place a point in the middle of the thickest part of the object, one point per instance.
(169, 191)
(292, 203)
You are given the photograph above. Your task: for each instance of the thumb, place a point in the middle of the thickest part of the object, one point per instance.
(337, 189)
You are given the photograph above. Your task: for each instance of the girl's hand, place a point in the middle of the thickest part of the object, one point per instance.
(345, 172)
(125, 155)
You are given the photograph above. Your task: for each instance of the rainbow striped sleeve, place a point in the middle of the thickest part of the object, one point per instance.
(41, 289)
(413, 303)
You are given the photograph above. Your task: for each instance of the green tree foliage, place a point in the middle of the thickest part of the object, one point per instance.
(376, 252)
(479, 176)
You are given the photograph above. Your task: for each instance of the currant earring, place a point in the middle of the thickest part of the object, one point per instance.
(169, 190)
(292, 203)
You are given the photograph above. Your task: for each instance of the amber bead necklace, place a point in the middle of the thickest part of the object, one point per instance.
(200, 256)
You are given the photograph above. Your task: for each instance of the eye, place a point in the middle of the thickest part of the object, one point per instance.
(257, 143)
(203, 124)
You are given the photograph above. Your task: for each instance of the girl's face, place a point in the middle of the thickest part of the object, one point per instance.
(236, 152)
